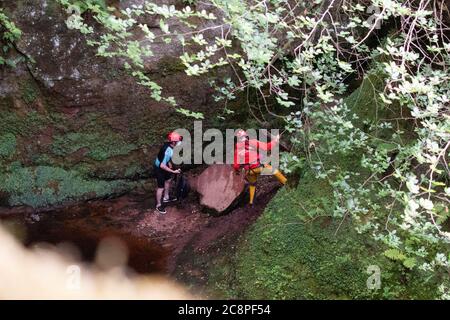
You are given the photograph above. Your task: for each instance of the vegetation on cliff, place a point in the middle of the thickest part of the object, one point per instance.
(299, 249)
(297, 58)
(372, 164)
(9, 34)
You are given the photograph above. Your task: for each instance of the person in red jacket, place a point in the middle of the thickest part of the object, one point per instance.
(247, 157)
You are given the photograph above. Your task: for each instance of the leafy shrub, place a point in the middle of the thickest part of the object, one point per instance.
(9, 33)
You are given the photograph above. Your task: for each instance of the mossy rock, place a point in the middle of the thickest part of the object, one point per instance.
(284, 257)
(16, 124)
(45, 186)
(170, 65)
(29, 92)
(99, 146)
(8, 145)
(365, 102)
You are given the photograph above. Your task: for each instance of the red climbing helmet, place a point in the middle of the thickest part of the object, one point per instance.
(174, 137)
(240, 133)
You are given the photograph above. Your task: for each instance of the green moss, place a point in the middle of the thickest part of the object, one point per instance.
(44, 186)
(283, 257)
(100, 147)
(7, 144)
(133, 170)
(41, 159)
(24, 126)
(169, 65)
(150, 128)
(366, 103)
(29, 92)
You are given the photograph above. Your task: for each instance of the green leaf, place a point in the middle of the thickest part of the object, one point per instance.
(164, 27)
(394, 254)
(191, 114)
(387, 147)
(285, 103)
(409, 263)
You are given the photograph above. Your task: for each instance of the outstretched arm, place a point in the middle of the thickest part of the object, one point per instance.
(263, 145)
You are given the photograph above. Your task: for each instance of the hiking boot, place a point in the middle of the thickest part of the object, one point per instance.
(161, 210)
(169, 200)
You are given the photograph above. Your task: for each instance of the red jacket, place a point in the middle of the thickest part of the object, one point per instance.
(246, 153)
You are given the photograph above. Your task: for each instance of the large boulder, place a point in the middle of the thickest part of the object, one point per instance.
(219, 187)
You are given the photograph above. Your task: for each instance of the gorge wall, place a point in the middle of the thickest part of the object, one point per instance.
(76, 126)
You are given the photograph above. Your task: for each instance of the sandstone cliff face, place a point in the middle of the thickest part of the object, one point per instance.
(76, 126)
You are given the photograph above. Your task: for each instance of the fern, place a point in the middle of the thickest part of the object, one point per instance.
(394, 254)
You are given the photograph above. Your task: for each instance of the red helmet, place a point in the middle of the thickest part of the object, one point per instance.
(241, 133)
(174, 137)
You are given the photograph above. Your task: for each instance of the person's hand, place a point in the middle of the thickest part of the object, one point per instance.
(178, 171)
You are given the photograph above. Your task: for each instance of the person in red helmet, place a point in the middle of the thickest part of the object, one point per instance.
(163, 170)
(247, 157)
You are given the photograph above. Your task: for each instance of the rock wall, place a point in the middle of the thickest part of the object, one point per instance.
(76, 126)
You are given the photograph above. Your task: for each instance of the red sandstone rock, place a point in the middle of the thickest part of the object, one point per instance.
(218, 187)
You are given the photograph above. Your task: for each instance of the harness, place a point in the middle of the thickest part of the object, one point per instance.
(247, 165)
